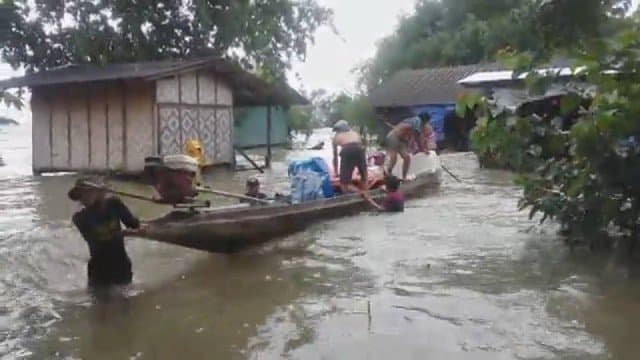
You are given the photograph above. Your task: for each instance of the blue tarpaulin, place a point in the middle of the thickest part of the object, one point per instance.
(437, 114)
(309, 180)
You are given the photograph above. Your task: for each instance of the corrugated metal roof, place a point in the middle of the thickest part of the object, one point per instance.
(425, 86)
(490, 78)
(249, 89)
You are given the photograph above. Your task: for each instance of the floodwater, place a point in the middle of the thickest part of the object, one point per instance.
(460, 275)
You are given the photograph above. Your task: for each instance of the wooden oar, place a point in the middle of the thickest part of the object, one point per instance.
(133, 196)
(450, 173)
(232, 195)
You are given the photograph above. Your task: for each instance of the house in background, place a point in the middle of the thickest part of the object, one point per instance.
(109, 118)
(250, 127)
(432, 91)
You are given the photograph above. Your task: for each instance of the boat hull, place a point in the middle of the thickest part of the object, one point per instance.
(231, 230)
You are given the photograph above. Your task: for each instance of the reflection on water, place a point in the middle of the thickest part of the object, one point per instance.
(460, 274)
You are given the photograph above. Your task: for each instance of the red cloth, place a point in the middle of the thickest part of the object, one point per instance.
(175, 186)
(374, 180)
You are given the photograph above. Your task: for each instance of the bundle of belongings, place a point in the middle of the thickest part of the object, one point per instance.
(309, 180)
(375, 173)
(173, 177)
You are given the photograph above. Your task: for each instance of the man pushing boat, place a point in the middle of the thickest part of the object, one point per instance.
(99, 223)
(352, 156)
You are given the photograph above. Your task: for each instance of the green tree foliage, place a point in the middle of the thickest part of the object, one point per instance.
(268, 34)
(460, 32)
(592, 186)
(11, 100)
(452, 32)
(299, 120)
(595, 186)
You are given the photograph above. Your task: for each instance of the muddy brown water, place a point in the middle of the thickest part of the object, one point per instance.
(460, 275)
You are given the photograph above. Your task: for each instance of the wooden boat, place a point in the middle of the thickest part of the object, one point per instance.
(231, 230)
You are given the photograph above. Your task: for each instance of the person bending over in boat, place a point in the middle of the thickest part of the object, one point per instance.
(253, 191)
(398, 139)
(352, 156)
(393, 200)
(99, 223)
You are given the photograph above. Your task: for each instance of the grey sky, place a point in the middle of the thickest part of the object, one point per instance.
(360, 23)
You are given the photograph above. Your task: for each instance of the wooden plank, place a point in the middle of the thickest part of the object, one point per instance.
(123, 87)
(139, 115)
(154, 120)
(268, 159)
(188, 88)
(115, 140)
(78, 128)
(206, 88)
(98, 125)
(59, 131)
(224, 93)
(167, 90)
(88, 105)
(40, 131)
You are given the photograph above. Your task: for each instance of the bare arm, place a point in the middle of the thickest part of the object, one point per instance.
(371, 201)
(425, 135)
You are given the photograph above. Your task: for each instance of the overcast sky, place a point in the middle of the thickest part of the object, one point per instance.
(360, 24)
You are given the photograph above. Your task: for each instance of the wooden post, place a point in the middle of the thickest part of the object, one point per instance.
(268, 158)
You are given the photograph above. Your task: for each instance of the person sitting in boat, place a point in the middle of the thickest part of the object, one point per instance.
(352, 156)
(253, 191)
(398, 139)
(174, 178)
(99, 223)
(393, 200)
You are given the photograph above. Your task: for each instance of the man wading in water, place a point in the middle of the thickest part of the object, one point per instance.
(99, 223)
(398, 139)
(352, 156)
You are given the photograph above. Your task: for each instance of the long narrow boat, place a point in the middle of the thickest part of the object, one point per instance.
(231, 230)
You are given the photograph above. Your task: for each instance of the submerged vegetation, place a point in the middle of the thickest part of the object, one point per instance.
(579, 165)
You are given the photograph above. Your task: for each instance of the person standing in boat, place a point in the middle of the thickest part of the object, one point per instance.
(99, 223)
(398, 140)
(352, 156)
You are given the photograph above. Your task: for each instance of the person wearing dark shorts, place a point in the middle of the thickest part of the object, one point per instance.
(398, 139)
(352, 156)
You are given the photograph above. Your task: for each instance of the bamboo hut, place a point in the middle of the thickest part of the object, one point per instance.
(109, 118)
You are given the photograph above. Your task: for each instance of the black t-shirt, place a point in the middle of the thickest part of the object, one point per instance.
(100, 227)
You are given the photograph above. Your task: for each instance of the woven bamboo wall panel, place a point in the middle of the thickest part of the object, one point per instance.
(189, 88)
(223, 136)
(167, 90)
(169, 130)
(207, 88)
